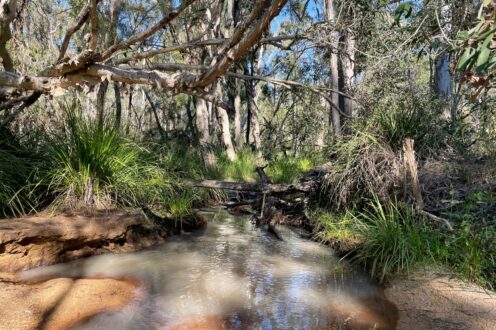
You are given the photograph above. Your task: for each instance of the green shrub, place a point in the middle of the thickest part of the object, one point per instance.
(362, 166)
(242, 169)
(286, 169)
(94, 165)
(394, 241)
(335, 227)
(470, 253)
(16, 171)
(424, 127)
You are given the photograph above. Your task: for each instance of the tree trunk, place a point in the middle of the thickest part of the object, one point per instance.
(253, 128)
(204, 133)
(223, 120)
(442, 76)
(118, 105)
(100, 101)
(9, 10)
(161, 131)
(320, 141)
(348, 61)
(442, 72)
(129, 109)
(191, 124)
(253, 119)
(237, 114)
(334, 116)
(90, 103)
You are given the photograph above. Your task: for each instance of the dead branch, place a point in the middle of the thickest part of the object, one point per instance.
(437, 219)
(273, 188)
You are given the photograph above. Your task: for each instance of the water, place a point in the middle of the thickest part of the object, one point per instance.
(233, 275)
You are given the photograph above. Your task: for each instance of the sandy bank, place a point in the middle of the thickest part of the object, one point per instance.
(440, 302)
(61, 303)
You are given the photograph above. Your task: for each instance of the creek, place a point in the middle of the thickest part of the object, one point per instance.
(234, 275)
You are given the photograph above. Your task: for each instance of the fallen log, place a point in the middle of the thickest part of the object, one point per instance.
(272, 188)
(239, 203)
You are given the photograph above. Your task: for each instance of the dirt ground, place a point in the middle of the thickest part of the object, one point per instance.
(439, 302)
(61, 303)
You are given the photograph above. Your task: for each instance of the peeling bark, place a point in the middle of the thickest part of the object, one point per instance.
(223, 121)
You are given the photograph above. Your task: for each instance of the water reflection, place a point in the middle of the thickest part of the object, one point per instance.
(233, 275)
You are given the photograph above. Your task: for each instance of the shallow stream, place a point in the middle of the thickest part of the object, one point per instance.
(233, 275)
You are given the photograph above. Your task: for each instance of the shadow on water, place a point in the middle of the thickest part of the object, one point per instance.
(235, 276)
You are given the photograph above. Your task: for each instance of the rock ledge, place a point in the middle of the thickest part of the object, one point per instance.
(44, 240)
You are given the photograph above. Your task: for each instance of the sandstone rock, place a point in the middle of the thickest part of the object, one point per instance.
(44, 240)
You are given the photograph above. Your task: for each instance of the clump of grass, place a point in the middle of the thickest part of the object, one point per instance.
(394, 241)
(14, 175)
(16, 171)
(281, 169)
(180, 204)
(362, 166)
(340, 228)
(470, 252)
(286, 169)
(182, 161)
(93, 165)
(395, 124)
(242, 169)
(390, 238)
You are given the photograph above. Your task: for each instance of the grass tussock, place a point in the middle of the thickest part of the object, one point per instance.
(95, 166)
(280, 169)
(183, 162)
(339, 230)
(394, 240)
(389, 238)
(286, 169)
(361, 166)
(17, 170)
(242, 169)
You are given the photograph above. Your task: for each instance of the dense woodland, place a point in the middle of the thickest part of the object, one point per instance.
(390, 104)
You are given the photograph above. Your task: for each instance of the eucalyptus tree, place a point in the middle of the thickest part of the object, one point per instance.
(133, 55)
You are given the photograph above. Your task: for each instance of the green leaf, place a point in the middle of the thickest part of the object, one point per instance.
(462, 35)
(488, 40)
(475, 28)
(482, 60)
(465, 58)
(484, 53)
(486, 34)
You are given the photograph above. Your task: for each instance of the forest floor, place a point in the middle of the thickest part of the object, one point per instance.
(433, 301)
